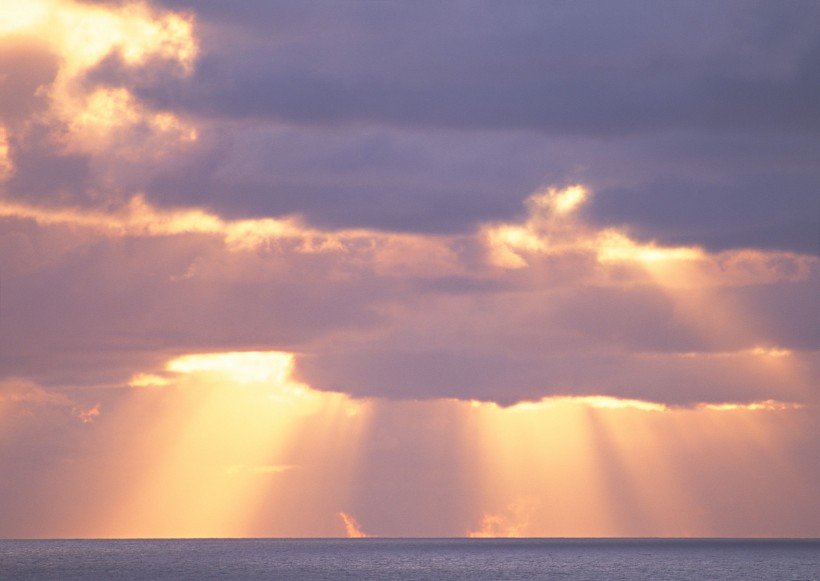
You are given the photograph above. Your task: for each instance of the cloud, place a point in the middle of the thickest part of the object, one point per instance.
(514, 523)
(448, 119)
(768, 208)
(387, 243)
(64, 140)
(549, 305)
(558, 69)
(352, 528)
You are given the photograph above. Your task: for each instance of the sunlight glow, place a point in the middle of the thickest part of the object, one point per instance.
(222, 441)
(615, 246)
(19, 16)
(601, 466)
(593, 401)
(91, 33)
(148, 380)
(241, 367)
(100, 119)
(563, 201)
(106, 115)
(771, 352)
(767, 405)
(508, 242)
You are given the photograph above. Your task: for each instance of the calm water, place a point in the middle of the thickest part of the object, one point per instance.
(294, 560)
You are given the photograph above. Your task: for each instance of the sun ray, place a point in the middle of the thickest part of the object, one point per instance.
(573, 467)
(216, 438)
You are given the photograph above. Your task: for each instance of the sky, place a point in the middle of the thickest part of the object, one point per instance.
(358, 268)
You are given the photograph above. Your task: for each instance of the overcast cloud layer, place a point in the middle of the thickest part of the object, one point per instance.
(696, 123)
(418, 153)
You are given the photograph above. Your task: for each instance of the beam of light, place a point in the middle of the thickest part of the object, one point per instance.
(352, 528)
(226, 440)
(695, 284)
(536, 476)
(215, 442)
(698, 284)
(610, 467)
(553, 227)
(208, 455)
(418, 470)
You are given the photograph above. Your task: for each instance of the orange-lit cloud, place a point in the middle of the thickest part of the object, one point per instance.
(598, 283)
(101, 120)
(409, 255)
(352, 528)
(90, 32)
(512, 523)
(22, 397)
(553, 228)
(87, 416)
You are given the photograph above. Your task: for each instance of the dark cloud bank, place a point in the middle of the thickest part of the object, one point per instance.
(432, 117)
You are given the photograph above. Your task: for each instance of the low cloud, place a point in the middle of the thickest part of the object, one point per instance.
(550, 305)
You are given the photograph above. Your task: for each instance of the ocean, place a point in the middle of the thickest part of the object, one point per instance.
(430, 559)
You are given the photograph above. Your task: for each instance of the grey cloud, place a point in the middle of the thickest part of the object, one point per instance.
(368, 178)
(436, 117)
(758, 210)
(580, 68)
(47, 175)
(123, 304)
(633, 342)
(784, 310)
(81, 310)
(508, 379)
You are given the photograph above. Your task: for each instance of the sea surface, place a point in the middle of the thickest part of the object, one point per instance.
(433, 559)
